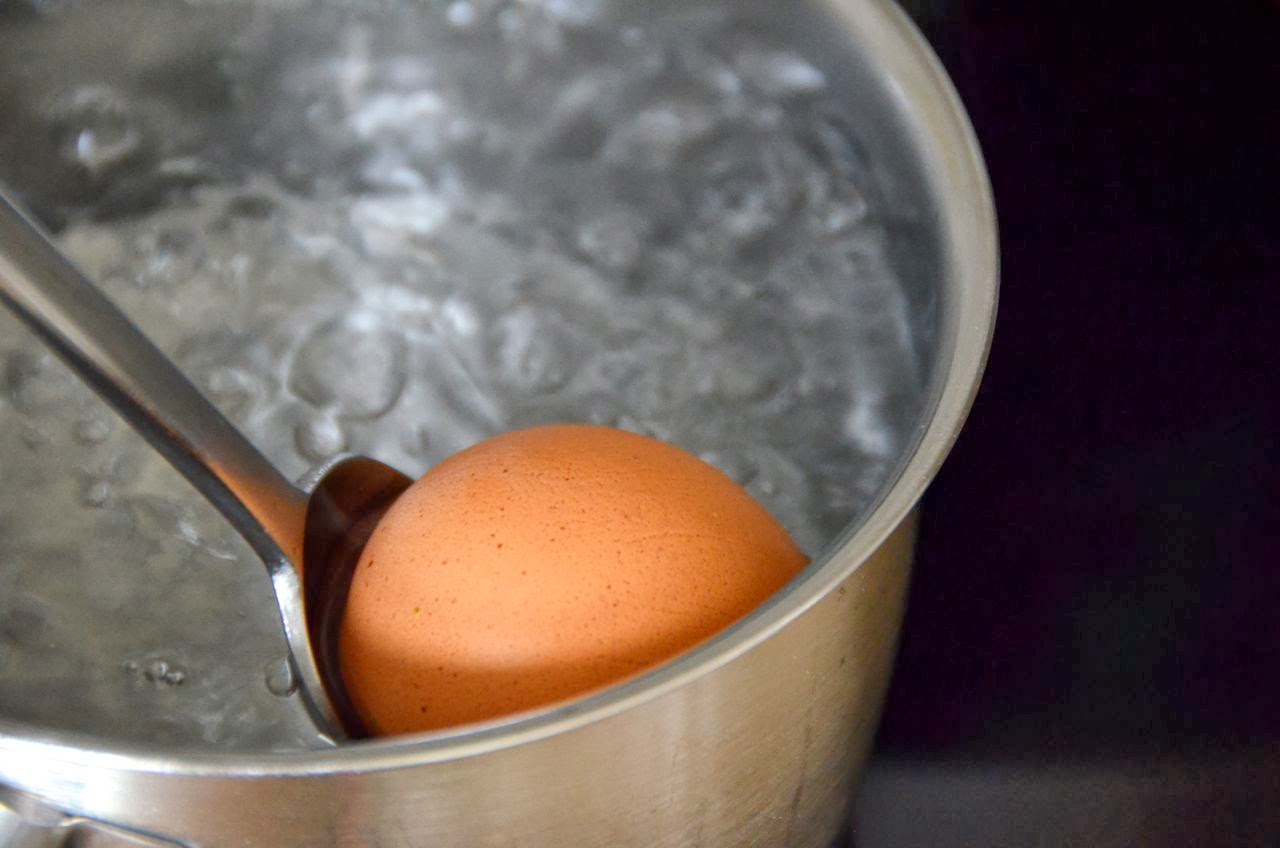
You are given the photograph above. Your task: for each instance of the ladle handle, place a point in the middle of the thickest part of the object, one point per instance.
(101, 344)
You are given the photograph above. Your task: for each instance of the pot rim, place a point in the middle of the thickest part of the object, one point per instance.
(930, 104)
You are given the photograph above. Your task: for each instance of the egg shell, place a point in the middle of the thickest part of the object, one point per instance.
(546, 563)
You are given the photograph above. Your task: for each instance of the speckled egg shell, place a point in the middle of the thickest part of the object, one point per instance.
(544, 564)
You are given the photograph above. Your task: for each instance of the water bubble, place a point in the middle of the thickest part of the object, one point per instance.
(735, 465)
(355, 366)
(510, 20)
(723, 82)
(96, 493)
(574, 12)
(780, 73)
(93, 429)
(614, 240)
(459, 402)
(737, 373)
(572, 129)
(653, 137)
(751, 186)
(869, 427)
(189, 532)
(750, 364)
(459, 317)
(841, 499)
(648, 379)
(391, 224)
(645, 427)
(99, 129)
(165, 255)
(389, 170)
(155, 517)
(461, 14)
(398, 112)
(233, 390)
(417, 440)
(841, 214)
(36, 383)
(534, 350)
(320, 437)
(162, 672)
(35, 437)
(98, 150)
(532, 35)
(784, 487)
(280, 679)
(251, 206)
(185, 171)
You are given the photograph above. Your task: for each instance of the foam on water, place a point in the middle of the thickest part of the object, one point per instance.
(396, 232)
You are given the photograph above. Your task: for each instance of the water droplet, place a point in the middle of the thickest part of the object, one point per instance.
(280, 678)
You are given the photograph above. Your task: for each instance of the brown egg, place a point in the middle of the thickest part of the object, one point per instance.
(544, 564)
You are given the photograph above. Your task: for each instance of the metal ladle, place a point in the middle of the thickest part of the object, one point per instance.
(309, 542)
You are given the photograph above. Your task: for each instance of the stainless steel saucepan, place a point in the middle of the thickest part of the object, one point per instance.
(756, 738)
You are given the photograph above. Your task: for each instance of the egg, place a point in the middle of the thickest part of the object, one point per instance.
(544, 564)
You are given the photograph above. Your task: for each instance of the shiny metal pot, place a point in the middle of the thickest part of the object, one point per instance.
(756, 738)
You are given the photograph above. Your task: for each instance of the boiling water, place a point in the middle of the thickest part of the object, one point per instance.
(395, 232)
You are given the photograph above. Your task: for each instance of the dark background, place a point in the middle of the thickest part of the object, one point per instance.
(1098, 577)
